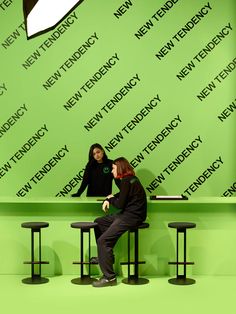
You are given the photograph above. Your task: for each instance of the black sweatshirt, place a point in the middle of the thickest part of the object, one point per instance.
(131, 199)
(98, 178)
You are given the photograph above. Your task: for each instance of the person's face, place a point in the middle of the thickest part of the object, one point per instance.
(114, 170)
(98, 154)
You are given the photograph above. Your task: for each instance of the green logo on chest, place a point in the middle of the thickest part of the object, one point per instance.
(106, 170)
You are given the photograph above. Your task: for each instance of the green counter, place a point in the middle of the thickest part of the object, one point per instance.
(211, 245)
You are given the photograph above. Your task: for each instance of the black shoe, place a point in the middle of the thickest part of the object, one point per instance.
(93, 260)
(104, 282)
(75, 195)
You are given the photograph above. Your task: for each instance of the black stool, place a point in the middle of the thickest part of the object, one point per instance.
(35, 277)
(84, 227)
(181, 279)
(135, 279)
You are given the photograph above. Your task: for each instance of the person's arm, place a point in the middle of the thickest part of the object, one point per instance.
(120, 199)
(84, 182)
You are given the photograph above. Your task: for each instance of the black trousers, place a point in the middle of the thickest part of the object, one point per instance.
(108, 231)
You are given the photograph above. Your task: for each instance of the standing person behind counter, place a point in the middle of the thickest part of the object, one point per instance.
(97, 176)
(132, 203)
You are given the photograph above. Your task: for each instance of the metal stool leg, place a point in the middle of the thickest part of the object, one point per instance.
(129, 263)
(84, 279)
(35, 277)
(134, 279)
(32, 253)
(181, 279)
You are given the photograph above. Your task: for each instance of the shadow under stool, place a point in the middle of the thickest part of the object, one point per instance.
(134, 279)
(85, 227)
(35, 275)
(181, 227)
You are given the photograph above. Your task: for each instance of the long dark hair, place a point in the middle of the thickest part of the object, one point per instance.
(124, 168)
(91, 160)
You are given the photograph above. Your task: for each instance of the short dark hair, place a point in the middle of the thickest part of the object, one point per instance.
(124, 168)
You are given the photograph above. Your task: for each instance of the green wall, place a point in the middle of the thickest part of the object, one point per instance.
(153, 81)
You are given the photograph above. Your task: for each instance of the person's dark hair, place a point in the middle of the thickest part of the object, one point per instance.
(92, 147)
(124, 168)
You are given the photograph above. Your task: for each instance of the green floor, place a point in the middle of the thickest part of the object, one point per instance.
(59, 295)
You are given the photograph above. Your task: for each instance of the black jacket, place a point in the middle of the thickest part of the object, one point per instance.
(98, 178)
(131, 199)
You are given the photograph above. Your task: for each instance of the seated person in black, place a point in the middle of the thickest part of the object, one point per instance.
(97, 176)
(132, 202)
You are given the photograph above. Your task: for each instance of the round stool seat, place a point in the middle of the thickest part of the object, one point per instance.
(181, 225)
(83, 225)
(35, 225)
(143, 225)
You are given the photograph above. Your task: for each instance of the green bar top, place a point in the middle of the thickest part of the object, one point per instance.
(92, 200)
